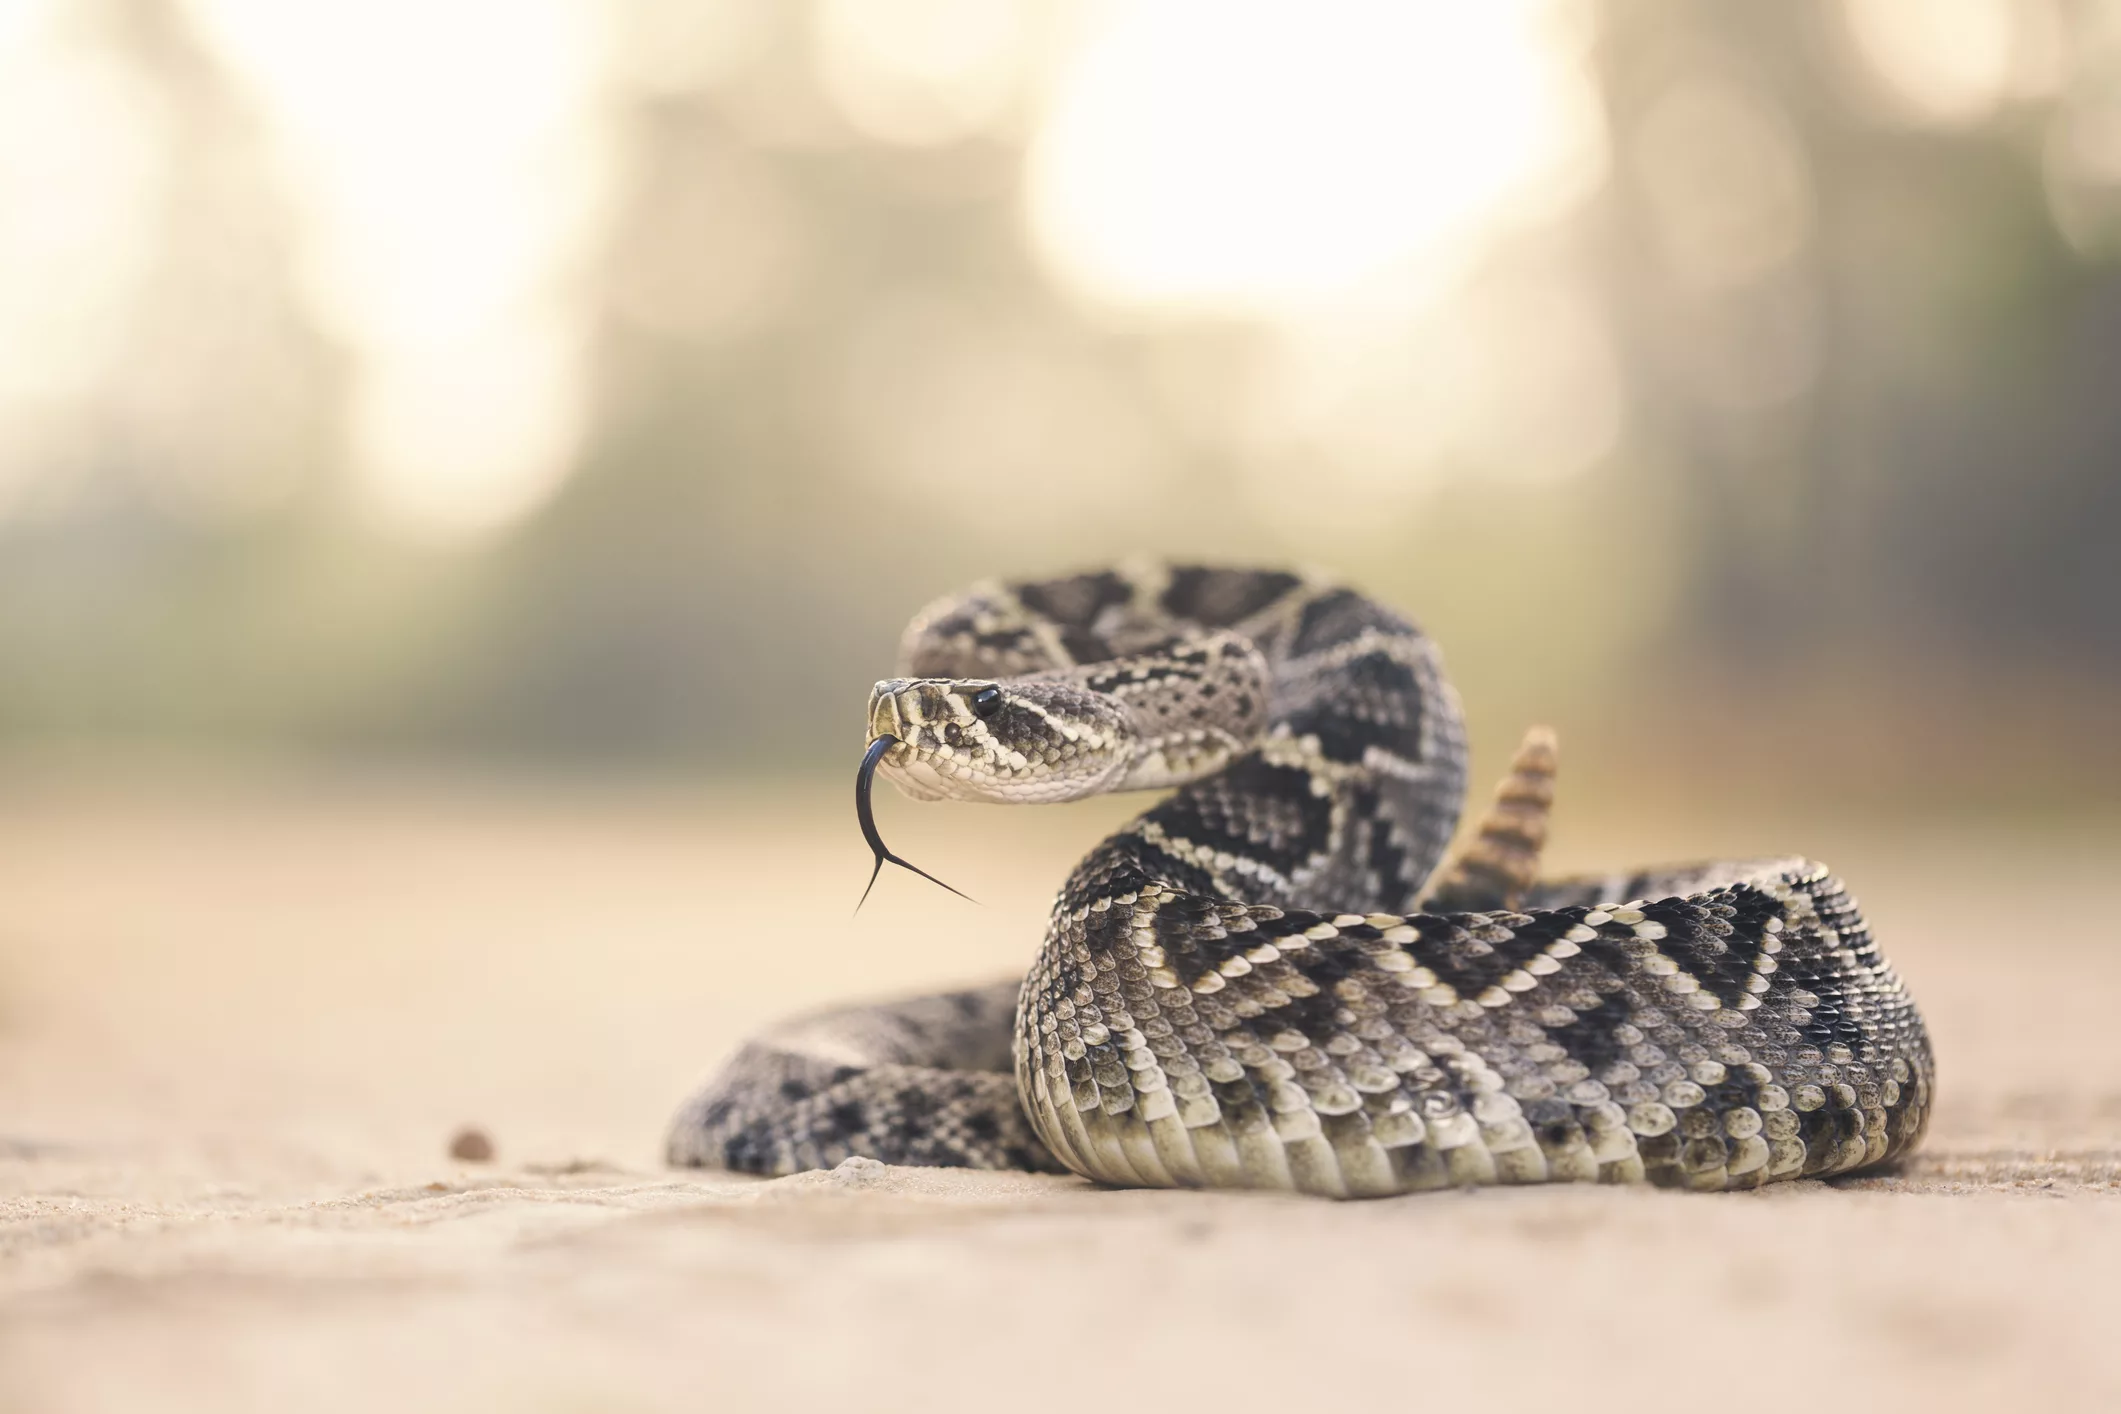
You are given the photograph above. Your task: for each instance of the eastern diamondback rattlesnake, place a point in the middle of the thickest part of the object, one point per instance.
(1258, 984)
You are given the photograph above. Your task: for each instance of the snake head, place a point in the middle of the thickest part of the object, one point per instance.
(1022, 740)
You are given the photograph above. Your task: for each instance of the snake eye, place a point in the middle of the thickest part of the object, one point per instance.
(987, 701)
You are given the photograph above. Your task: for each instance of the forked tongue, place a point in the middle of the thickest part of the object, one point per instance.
(864, 779)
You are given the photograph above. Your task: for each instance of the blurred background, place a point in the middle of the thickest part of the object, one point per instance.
(595, 386)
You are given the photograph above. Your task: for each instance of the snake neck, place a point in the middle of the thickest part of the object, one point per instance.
(1345, 793)
(1191, 707)
(1317, 752)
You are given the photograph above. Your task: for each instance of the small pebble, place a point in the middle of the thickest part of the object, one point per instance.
(472, 1146)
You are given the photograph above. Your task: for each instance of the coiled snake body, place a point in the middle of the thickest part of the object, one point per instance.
(1258, 983)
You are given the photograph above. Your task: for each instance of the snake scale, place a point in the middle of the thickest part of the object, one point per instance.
(1270, 979)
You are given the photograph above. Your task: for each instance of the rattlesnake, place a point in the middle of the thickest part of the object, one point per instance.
(1257, 984)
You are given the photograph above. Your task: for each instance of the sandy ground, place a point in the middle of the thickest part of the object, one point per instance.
(237, 1031)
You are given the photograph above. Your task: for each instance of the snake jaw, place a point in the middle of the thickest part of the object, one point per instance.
(903, 767)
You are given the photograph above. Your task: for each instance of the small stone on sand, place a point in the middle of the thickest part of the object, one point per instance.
(471, 1145)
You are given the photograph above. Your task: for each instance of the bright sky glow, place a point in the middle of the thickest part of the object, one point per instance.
(450, 167)
(73, 245)
(1254, 153)
(19, 19)
(76, 237)
(1331, 165)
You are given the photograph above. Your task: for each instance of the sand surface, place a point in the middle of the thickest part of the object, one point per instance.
(237, 1031)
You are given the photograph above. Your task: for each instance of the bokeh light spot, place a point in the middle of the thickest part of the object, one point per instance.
(1251, 153)
(1944, 62)
(1727, 187)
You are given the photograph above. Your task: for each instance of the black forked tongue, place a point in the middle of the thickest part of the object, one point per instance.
(864, 779)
